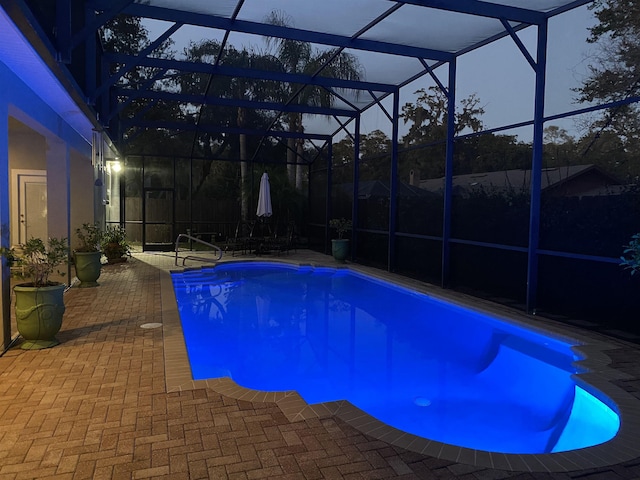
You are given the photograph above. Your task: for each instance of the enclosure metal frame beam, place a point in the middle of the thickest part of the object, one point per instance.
(448, 177)
(514, 17)
(108, 11)
(393, 183)
(63, 30)
(328, 203)
(482, 9)
(356, 181)
(90, 58)
(129, 65)
(208, 68)
(567, 7)
(231, 102)
(536, 169)
(133, 95)
(190, 127)
(290, 33)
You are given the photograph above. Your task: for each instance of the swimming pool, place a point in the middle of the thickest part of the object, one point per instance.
(414, 362)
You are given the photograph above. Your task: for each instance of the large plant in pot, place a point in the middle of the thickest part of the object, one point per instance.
(114, 244)
(630, 258)
(87, 257)
(39, 302)
(340, 245)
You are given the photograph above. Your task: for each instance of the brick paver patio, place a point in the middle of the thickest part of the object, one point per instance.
(97, 407)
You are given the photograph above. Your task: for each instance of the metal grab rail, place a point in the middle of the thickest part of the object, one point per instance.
(193, 257)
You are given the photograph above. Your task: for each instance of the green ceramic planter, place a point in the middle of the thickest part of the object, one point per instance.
(88, 268)
(340, 249)
(39, 312)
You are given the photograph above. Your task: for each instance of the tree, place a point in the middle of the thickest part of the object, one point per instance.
(613, 75)
(609, 152)
(428, 117)
(375, 151)
(300, 58)
(127, 35)
(559, 147)
(489, 153)
(239, 88)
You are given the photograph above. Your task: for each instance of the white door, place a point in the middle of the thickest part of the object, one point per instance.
(31, 189)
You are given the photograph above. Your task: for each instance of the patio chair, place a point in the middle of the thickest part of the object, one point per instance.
(262, 236)
(286, 242)
(241, 240)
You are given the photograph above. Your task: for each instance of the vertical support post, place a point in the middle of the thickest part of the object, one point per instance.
(58, 157)
(102, 103)
(98, 162)
(309, 191)
(393, 184)
(174, 230)
(63, 30)
(5, 241)
(144, 204)
(90, 55)
(448, 176)
(122, 192)
(227, 233)
(328, 208)
(251, 194)
(356, 182)
(112, 124)
(536, 170)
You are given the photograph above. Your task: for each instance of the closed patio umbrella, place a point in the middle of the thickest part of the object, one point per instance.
(264, 197)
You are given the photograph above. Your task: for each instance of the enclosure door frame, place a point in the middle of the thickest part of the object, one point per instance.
(167, 245)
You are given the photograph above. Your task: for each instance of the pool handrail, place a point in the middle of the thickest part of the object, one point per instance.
(193, 257)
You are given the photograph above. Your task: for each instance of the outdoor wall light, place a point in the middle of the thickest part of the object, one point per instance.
(114, 166)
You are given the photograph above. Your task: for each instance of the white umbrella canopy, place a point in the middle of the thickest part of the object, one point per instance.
(264, 197)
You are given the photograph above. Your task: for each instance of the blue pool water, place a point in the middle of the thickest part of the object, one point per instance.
(416, 363)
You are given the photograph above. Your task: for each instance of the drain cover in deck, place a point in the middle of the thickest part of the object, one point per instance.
(150, 325)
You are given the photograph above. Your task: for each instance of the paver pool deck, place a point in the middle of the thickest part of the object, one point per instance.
(111, 402)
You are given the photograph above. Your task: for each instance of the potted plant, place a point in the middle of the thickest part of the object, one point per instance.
(87, 256)
(39, 302)
(630, 258)
(114, 244)
(340, 245)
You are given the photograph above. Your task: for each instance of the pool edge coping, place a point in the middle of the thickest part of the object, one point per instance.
(599, 379)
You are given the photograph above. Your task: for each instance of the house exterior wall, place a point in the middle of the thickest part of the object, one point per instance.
(26, 152)
(55, 146)
(26, 149)
(50, 144)
(5, 292)
(82, 193)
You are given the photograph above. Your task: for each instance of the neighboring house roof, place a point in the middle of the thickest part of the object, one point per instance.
(569, 180)
(380, 188)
